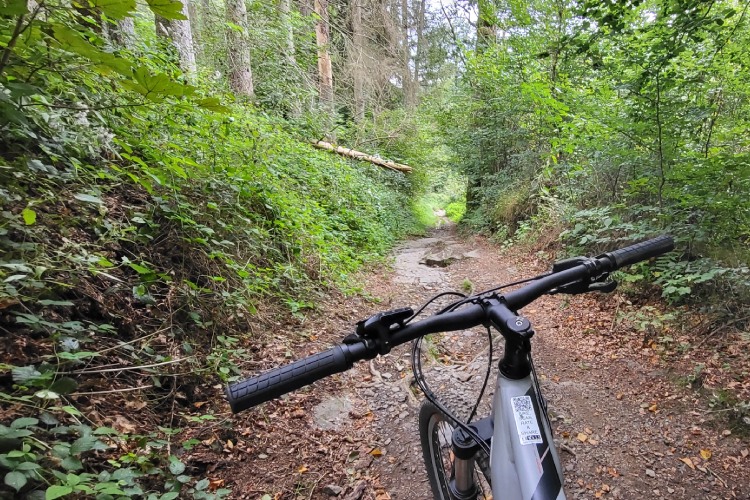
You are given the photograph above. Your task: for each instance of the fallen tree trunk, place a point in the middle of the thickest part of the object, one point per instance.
(358, 155)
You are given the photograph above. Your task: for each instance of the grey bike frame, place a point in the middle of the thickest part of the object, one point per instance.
(524, 462)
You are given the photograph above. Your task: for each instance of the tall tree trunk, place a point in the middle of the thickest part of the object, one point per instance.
(204, 27)
(486, 35)
(355, 58)
(419, 57)
(122, 34)
(325, 71)
(406, 79)
(181, 35)
(286, 22)
(238, 49)
(305, 7)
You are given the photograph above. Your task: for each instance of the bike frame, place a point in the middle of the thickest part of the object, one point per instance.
(523, 461)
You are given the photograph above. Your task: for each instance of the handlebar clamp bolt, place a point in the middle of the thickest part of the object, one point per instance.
(520, 325)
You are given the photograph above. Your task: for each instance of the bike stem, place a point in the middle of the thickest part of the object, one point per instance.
(517, 332)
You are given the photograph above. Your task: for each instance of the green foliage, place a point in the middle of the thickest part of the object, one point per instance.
(681, 276)
(56, 452)
(425, 214)
(455, 210)
(619, 121)
(142, 221)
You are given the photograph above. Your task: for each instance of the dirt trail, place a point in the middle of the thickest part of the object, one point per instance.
(624, 427)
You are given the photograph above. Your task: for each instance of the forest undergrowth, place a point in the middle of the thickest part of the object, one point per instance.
(133, 283)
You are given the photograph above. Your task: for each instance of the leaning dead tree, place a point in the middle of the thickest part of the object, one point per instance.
(358, 155)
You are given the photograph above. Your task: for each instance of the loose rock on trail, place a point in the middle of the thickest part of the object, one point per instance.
(624, 427)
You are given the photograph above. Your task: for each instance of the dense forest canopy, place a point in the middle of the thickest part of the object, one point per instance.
(158, 186)
(628, 111)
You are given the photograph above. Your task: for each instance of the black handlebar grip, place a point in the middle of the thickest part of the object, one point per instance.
(279, 381)
(641, 251)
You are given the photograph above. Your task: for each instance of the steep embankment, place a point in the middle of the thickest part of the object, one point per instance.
(625, 426)
(136, 268)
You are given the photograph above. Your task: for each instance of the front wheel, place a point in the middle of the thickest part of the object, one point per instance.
(435, 433)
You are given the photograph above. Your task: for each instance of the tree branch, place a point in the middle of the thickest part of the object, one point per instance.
(17, 32)
(84, 108)
(12, 43)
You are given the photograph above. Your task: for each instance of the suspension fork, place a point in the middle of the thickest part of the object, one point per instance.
(465, 448)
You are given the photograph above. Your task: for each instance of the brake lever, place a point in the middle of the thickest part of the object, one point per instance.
(579, 288)
(604, 287)
(375, 331)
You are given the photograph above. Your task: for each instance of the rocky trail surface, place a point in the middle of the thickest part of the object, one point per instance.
(626, 426)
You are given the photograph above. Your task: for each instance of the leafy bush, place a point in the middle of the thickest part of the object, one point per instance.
(141, 224)
(683, 275)
(455, 211)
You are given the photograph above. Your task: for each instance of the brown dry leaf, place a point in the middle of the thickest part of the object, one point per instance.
(620, 396)
(198, 404)
(566, 434)
(367, 415)
(688, 462)
(376, 452)
(613, 472)
(7, 302)
(382, 495)
(652, 408)
(135, 405)
(588, 431)
(593, 442)
(745, 453)
(582, 437)
(123, 425)
(706, 454)
(215, 484)
(302, 469)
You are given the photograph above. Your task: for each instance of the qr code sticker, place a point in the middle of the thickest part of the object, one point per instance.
(526, 423)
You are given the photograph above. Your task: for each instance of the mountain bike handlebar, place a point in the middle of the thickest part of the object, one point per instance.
(580, 271)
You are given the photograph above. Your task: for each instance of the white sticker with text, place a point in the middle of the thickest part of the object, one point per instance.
(528, 428)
